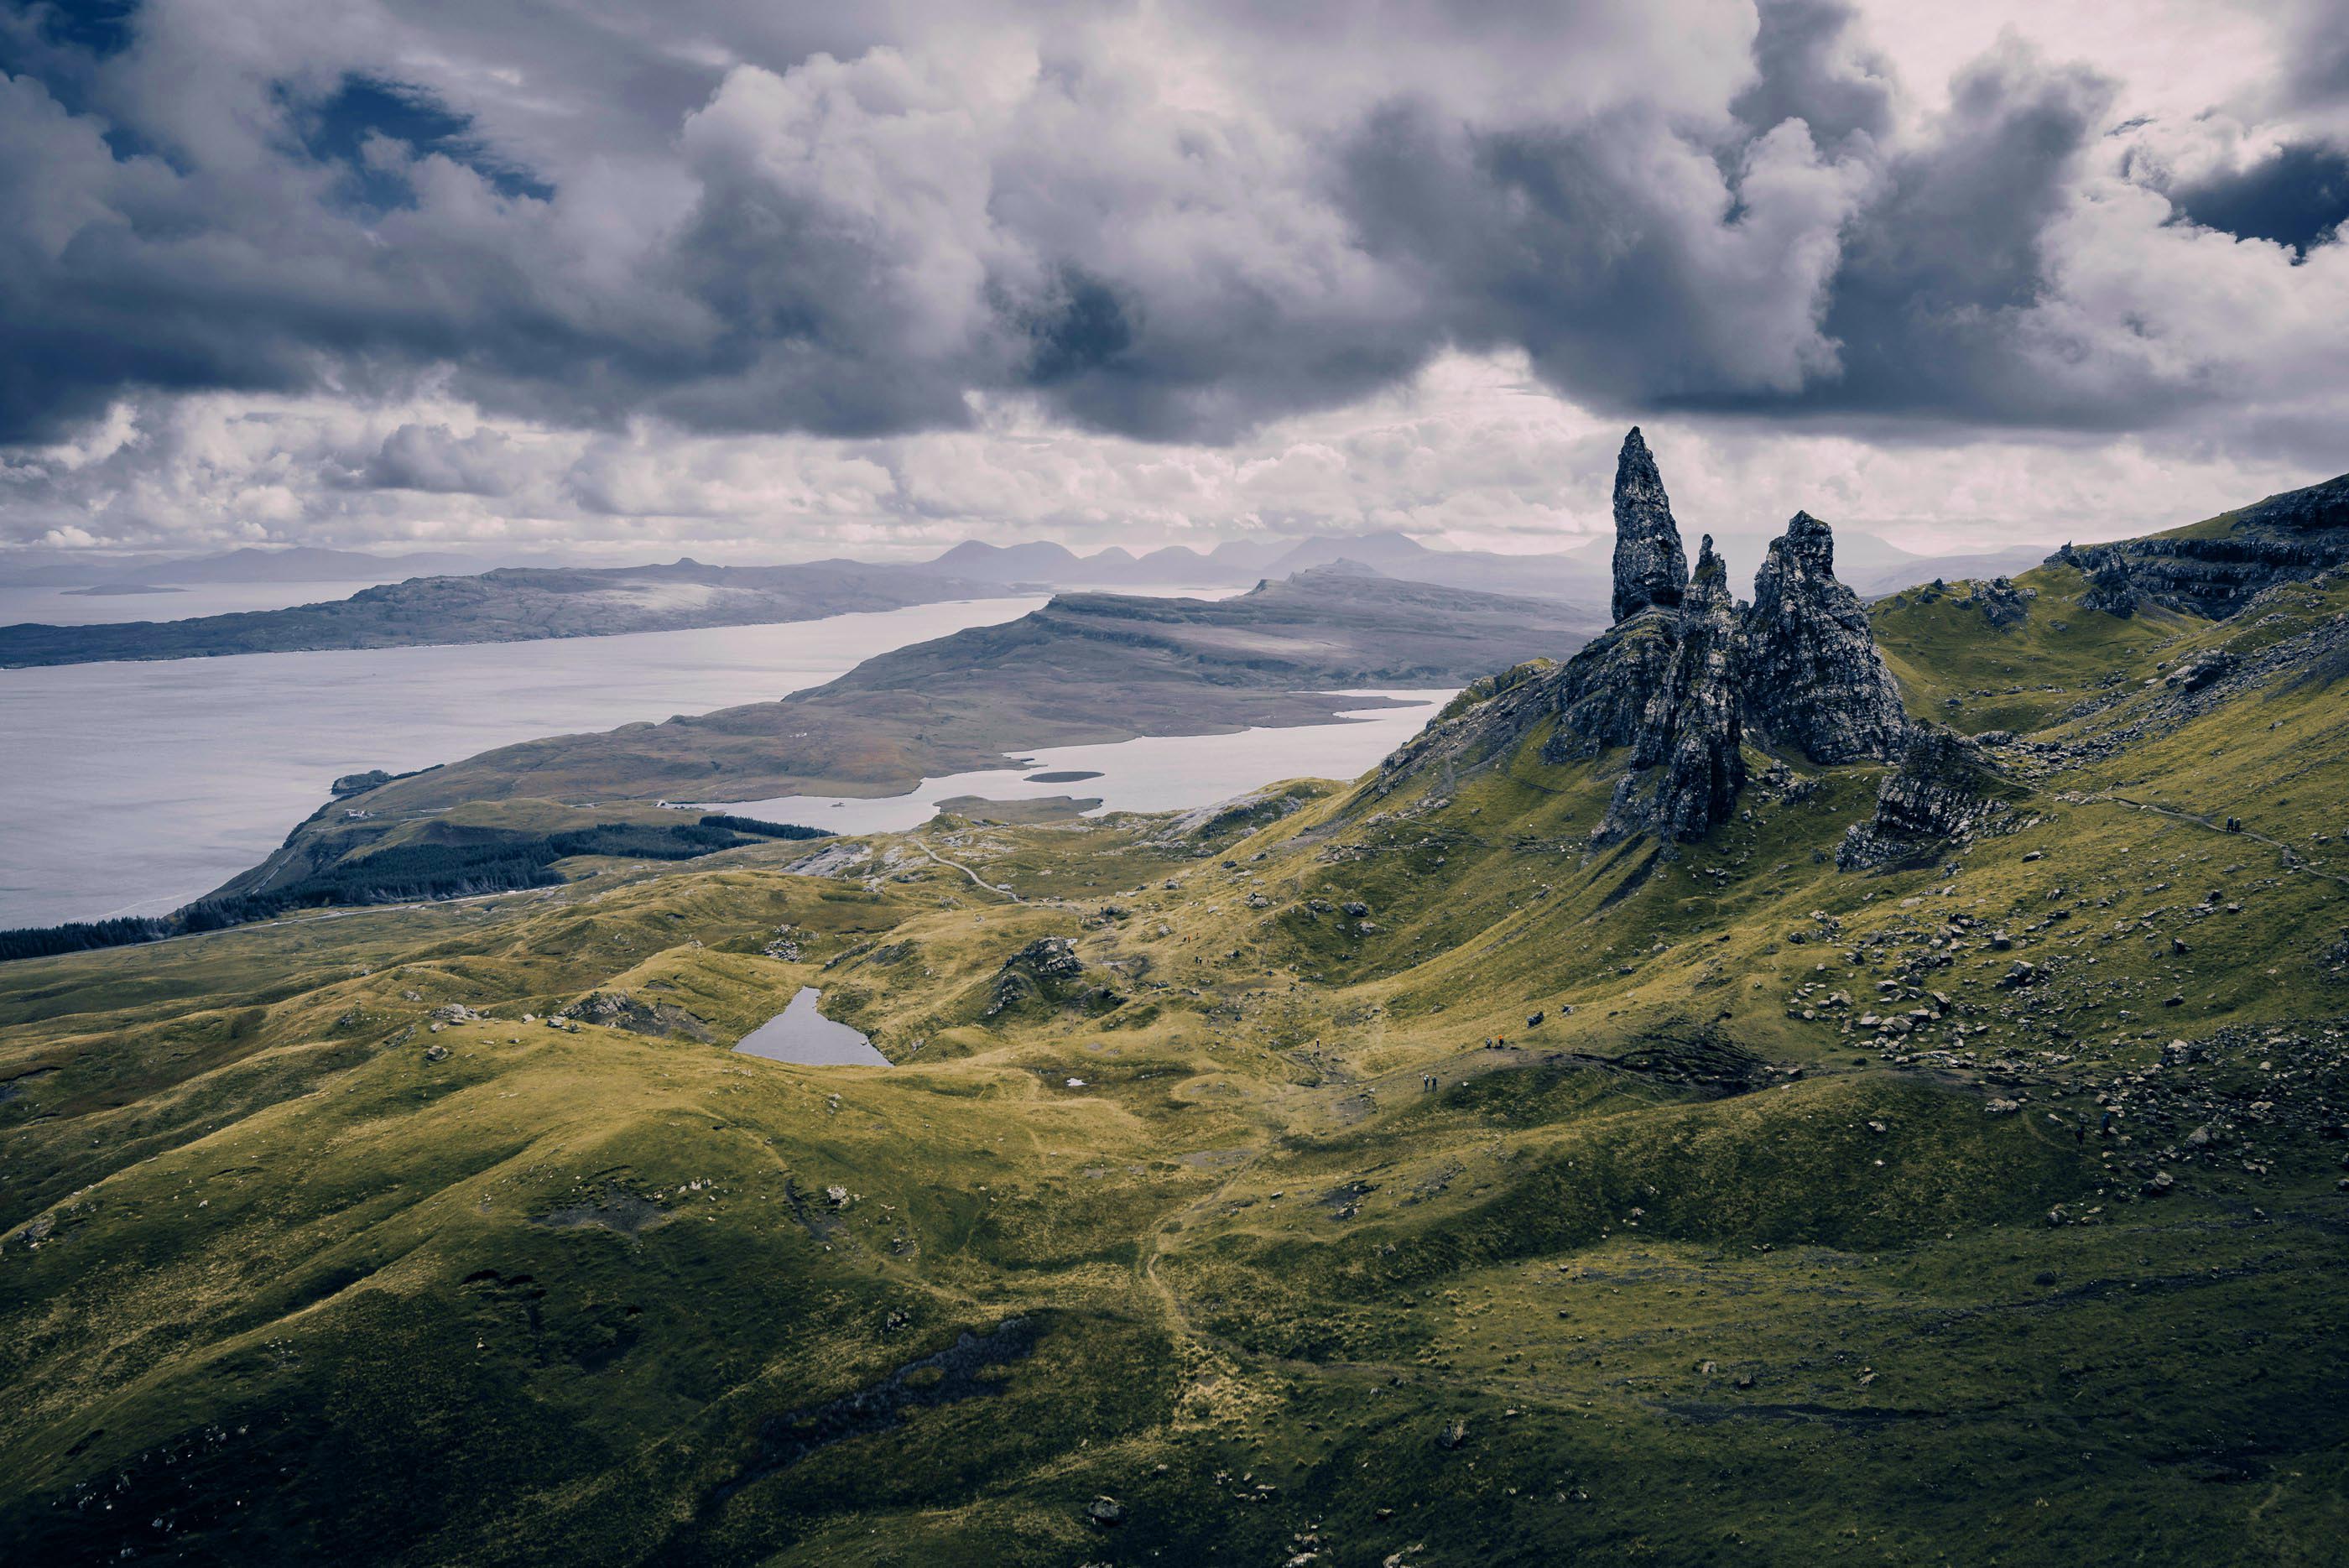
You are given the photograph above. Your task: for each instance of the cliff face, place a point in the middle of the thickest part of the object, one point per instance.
(1650, 566)
(1687, 763)
(1603, 691)
(2284, 538)
(1813, 676)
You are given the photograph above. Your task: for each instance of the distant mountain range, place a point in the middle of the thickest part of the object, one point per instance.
(508, 604)
(447, 597)
(1870, 565)
(300, 563)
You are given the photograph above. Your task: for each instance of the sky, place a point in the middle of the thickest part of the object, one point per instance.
(752, 280)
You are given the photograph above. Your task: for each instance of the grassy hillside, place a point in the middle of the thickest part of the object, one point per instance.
(1796, 1228)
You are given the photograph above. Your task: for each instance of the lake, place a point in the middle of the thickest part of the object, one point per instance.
(801, 1034)
(1156, 772)
(130, 788)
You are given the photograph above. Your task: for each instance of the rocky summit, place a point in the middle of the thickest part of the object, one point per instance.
(2212, 569)
(1650, 566)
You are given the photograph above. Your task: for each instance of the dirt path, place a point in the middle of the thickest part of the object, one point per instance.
(977, 879)
(2291, 860)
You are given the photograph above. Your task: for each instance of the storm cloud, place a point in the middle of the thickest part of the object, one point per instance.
(1173, 224)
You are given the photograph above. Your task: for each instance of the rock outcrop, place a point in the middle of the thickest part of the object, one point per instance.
(1650, 566)
(1682, 675)
(2213, 569)
(2001, 603)
(618, 1010)
(1943, 788)
(1687, 763)
(1813, 676)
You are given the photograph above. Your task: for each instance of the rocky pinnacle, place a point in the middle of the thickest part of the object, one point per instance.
(1650, 565)
(1687, 765)
(1813, 677)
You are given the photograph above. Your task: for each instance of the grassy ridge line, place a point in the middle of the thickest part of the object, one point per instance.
(488, 860)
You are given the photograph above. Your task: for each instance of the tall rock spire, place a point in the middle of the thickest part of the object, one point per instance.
(1650, 565)
(1687, 765)
(1814, 676)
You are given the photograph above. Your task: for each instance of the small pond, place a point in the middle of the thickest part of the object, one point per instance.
(801, 1034)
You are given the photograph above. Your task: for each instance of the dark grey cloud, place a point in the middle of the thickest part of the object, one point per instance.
(2316, 60)
(2297, 197)
(1942, 271)
(1170, 222)
(1810, 66)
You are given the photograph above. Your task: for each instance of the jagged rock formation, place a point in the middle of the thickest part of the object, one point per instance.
(1943, 787)
(1813, 676)
(2214, 572)
(1687, 763)
(1650, 566)
(1047, 969)
(1681, 676)
(2109, 587)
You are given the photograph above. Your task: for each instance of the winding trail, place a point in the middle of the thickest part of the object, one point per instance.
(977, 879)
(2291, 860)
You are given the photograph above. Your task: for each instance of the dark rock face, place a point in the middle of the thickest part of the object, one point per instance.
(1813, 676)
(1942, 789)
(1686, 765)
(1650, 565)
(2284, 538)
(1603, 691)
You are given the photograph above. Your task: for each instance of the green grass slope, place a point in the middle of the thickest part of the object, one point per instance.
(1278, 1230)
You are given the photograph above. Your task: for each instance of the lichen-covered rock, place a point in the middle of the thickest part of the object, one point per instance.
(1813, 676)
(1943, 788)
(1047, 968)
(1650, 565)
(2001, 603)
(1687, 763)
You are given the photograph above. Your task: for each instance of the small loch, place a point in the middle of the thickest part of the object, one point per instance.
(801, 1034)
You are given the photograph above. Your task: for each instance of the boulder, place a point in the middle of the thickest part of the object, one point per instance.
(2001, 603)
